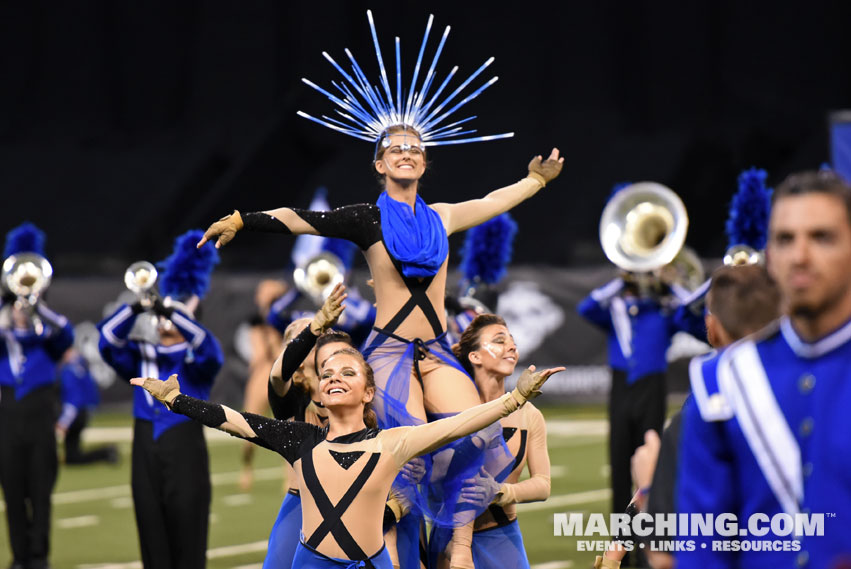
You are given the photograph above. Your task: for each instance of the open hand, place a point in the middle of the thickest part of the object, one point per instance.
(547, 170)
(163, 391)
(330, 311)
(530, 382)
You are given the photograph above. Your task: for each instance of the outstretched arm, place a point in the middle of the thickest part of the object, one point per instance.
(283, 437)
(356, 223)
(461, 216)
(422, 439)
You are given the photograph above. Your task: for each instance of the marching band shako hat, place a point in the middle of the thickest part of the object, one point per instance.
(186, 272)
(25, 238)
(747, 223)
(485, 257)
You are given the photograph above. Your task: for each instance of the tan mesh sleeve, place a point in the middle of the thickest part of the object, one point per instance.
(414, 441)
(537, 487)
(463, 215)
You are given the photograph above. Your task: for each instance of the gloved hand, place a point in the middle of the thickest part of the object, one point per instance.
(480, 489)
(331, 310)
(548, 170)
(163, 391)
(161, 309)
(224, 229)
(530, 382)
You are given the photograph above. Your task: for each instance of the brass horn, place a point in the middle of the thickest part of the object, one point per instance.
(643, 227)
(738, 255)
(319, 275)
(27, 276)
(140, 278)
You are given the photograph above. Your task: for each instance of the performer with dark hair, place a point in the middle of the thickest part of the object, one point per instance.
(170, 472)
(346, 468)
(406, 247)
(768, 432)
(33, 341)
(488, 353)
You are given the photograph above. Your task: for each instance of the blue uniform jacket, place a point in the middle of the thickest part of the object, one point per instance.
(196, 362)
(357, 320)
(768, 433)
(28, 360)
(639, 330)
(78, 389)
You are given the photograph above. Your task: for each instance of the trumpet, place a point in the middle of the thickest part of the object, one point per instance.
(140, 278)
(319, 275)
(27, 276)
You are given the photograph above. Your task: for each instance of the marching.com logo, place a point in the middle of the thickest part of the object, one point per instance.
(675, 529)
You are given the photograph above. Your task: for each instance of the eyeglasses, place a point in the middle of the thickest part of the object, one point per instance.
(400, 148)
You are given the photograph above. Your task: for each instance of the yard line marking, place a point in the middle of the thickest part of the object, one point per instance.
(237, 500)
(78, 522)
(567, 500)
(581, 427)
(96, 435)
(217, 553)
(123, 490)
(553, 565)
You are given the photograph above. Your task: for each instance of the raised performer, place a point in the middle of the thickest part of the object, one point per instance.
(406, 247)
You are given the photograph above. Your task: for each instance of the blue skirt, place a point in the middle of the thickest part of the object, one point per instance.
(499, 547)
(493, 548)
(308, 558)
(285, 534)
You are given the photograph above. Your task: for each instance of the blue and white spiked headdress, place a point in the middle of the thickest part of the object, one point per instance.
(366, 113)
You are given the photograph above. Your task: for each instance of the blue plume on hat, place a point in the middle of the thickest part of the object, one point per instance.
(487, 250)
(749, 211)
(618, 187)
(187, 270)
(25, 238)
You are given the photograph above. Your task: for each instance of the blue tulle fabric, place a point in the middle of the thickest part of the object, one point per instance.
(416, 237)
(408, 541)
(285, 535)
(437, 496)
(308, 558)
(493, 548)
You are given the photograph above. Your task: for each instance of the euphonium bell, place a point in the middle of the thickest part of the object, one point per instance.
(643, 227)
(319, 275)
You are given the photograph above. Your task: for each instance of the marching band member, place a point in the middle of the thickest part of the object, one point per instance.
(170, 470)
(34, 339)
(767, 433)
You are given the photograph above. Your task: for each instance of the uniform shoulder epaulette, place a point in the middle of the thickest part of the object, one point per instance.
(711, 402)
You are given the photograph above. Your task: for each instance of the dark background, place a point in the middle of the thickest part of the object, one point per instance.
(124, 123)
